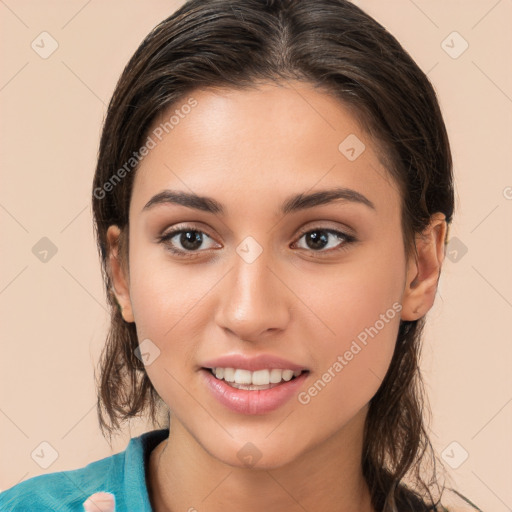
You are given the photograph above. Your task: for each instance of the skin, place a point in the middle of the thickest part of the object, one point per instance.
(250, 150)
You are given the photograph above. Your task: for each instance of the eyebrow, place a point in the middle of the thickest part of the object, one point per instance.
(294, 203)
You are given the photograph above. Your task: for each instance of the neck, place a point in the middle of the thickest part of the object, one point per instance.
(328, 477)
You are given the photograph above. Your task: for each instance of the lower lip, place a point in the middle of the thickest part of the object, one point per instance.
(252, 402)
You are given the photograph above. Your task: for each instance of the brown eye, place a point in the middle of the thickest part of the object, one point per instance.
(325, 240)
(190, 240)
(185, 240)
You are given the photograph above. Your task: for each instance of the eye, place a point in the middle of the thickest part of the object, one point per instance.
(187, 240)
(326, 240)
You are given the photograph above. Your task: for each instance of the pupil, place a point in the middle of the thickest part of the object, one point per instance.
(315, 239)
(191, 240)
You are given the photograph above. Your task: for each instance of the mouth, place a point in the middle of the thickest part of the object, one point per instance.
(259, 380)
(253, 392)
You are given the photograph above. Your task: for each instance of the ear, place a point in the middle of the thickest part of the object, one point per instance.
(424, 269)
(118, 272)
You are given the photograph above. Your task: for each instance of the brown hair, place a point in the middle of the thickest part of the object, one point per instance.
(335, 46)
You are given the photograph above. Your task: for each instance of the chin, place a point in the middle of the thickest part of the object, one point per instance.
(258, 454)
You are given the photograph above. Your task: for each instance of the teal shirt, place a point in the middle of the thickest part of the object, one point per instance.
(123, 475)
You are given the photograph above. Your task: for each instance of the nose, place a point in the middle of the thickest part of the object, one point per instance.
(254, 300)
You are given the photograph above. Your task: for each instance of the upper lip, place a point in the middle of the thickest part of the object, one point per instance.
(260, 362)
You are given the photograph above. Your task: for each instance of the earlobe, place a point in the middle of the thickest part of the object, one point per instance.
(424, 269)
(118, 274)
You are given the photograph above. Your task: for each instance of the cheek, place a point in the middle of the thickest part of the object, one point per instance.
(360, 305)
(165, 296)
(355, 295)
(352, 363)
(165, 312)
(168, 303)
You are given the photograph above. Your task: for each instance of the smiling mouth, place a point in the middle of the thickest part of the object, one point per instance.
(254, 381)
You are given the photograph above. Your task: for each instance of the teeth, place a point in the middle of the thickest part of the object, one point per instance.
(257, 378)
(243, 377)
(229, 374)
(275, 376)
(260, 378)
(287, 374)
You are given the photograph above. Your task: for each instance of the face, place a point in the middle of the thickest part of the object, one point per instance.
(268, 268)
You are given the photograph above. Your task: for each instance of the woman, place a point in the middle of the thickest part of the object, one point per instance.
(272, 201)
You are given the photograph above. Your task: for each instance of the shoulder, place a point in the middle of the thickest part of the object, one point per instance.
(64, 490)
(122, 474)
(450, 501)
(454, 501)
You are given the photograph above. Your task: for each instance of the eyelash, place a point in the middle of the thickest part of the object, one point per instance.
(165, 239)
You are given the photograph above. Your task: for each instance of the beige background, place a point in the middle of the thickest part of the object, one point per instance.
(53, 314)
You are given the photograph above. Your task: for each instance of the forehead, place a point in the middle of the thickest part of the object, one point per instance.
(270, 138)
